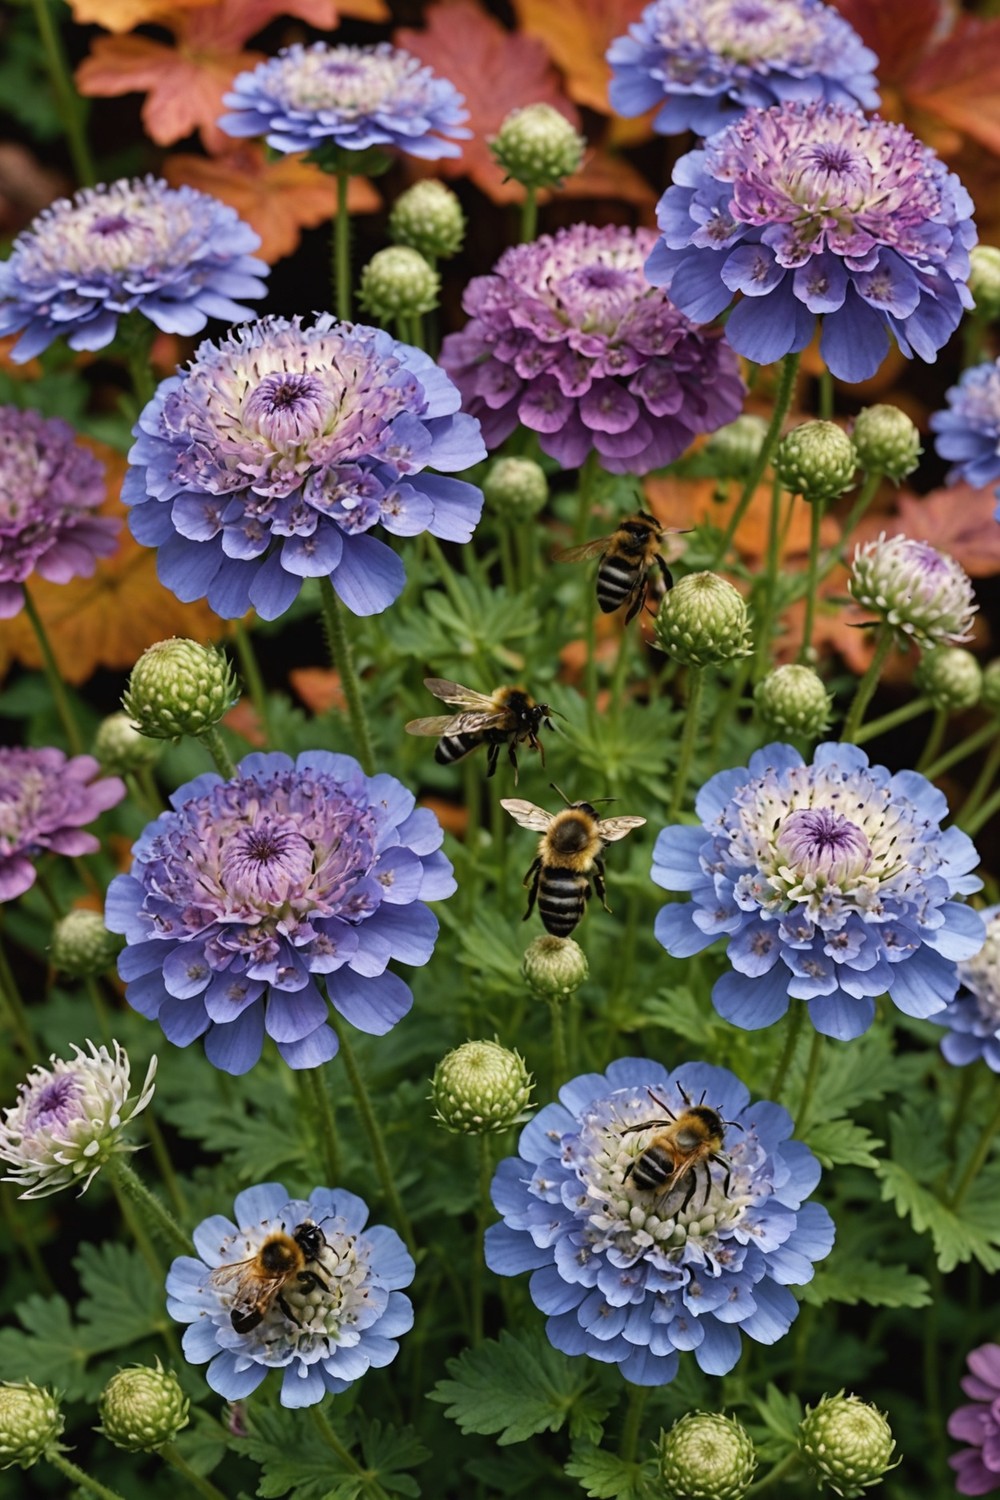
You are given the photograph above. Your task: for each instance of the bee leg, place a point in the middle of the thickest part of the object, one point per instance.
(599, 885)
(512, 757)
(668, 577)
(537, 745)
(492, 756)
(728, 1177)
(637, 601)
(531, 880)
(311, 1281)
(288, 1311)
(690, 1192)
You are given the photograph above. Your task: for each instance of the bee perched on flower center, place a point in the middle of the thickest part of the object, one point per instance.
(680, 1151)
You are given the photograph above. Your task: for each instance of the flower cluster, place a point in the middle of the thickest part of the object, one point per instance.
(630, 1277)
(833, 883)
(567, 336)
(968, 431)
(974, 1015)
(923, 594)
(45, 800)
(271, 457)
(978, 1467)
(250, 890)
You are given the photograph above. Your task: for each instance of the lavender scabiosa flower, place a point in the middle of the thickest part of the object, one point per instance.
(974, 1015)
(45, 800)
(69, 1120)
(343, 1320)
(706, 64)
(251, 890)
(923, 594)
(833, 883)
(630, 1276)
(567, 336)
(968, 431)
(812, 210)
(50, 489)
(177, 256)
(272, 456)
(350, 98)
(978, 1467)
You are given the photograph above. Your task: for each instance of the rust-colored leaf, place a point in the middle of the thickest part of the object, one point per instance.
(959, 81)
(898, 31)
(577, 33)
(605, 174)
(125, 15)
(958, 520)
(319, 688)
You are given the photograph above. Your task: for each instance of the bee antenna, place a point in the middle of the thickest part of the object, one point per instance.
(735, 1125)
(561, 793)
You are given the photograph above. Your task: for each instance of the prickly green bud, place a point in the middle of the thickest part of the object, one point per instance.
(538, 146)
(846, 1444)
(793, 700)
(735, 448)
(428, 218)
(817, 461)
(554, 967)
(82, 946)
(143, 1408)
(516, 488)
(990, 698)
(950, 677)
(703, 621)
(399, 283)
(984, 281)
(480, 1087)
(887, 441)
(30, 1423)
(706, 1456)
(120, 747)
(179, 687)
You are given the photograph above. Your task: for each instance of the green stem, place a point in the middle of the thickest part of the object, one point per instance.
(812, 1073)
(342, 658)
(765, 615)
(164, 1165)
(633, 1422)
(986, 735)
(100, 1009)
(251, 674)
(156, 1216)
(342, 249)
(986, 779)
(79, 1477)
(316, 1094)
(966, 1088)
(484, 1208)
(792, 1034)
(778, 1472)
(689, 736)
(865, 497)
(69, 105)
(136, 1228)
(529, 215)
(782, 403)
(216, 747)
(526, 541)
(893, 720)
(560, 1065)
(53, 676)
(972, 822)
(812, 578)
(373, 1130)
(933, 742)
(196, 1481)
(332, 1441)
(17, 1015)
(866, 687)
(825, 404)
(977, 1159)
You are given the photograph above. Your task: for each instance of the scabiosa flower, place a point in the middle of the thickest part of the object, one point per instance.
(352, 98)
(630, 1277)
(833, 883)
(345, 1322)
(978, 1467)
(252, 889)
(271, 457)
(567, 336)
(177, 256)
(813, 210)
(45, 800)
(974, 1015)
(923, 594)
(69, 1120)
(969, 430)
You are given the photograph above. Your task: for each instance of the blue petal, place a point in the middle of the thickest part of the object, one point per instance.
(854, 341)
(236, 1047)
(765, 329)
(675, 930)
(209, 1241)
(302, 1385)
(675, 857)
(580, 1092)
(508, 1252)
(923, 985)
(373, 1005)
(564, 1333)
(840, 1015)
(963, 934)
(294, 1014)
(370, 576)
(257, 1204)
(311, 1051)
(390, 1257)
(552, 1295)
(224, 1378)
(720, 1349)
(752, 1003)
(776, 1311)
(541, 1136)
(644, 1368)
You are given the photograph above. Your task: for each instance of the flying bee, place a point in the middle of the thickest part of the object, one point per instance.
(280, 1261)
(569, 857)
(507, 716)
(684, 1145)
(626, 558)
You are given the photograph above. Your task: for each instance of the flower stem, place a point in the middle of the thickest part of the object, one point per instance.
(976, 1160)
(865, 497)
(69, 105)
(343, 660)
(812, 1073)
(332, 1441)
(560, 1065)
(866, 687)
(79, 1477)
(529, 215)
(984, 782)
(483, 1207)
(987, 735)
(971, 823)
(763, 621)
(812, 578)
(250, 671)
(197, 1481)
(633, 1422)
(216, 747)
(933, 743)
(166, 1169)
(696, 677)
(10, 998)
(315, 1094)
(342, 249)
(156, 1216)
(782, 403)
(376, 1140)
(60, 698)
(778, 1472)
(792, 1034)
(893, 720)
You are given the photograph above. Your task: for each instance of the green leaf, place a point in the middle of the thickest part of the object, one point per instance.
(841, 1143)
(607, 1477)
(50, 1352)
(776, 1432)
(971, 1234)
(294, 1458)
(852, 1076)
(389, 1452)
(852, 1281)
(677, 1010)
(123, 1304)
(256, 1144)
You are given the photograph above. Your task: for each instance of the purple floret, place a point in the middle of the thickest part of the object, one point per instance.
(973, 1017)
(978, 1467)
(45, 800)
(968, 431)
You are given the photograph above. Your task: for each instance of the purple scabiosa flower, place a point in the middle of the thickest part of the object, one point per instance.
(272, 456)
(345, 1319)
(833, 883)
(968, 432)
(352, 98)
(177, 256)
(974, 1015)
(978, 1467)
(45, 800)
(568, 337)
(252, 890)
(812, 210)
(50, 489)
(923, 594)
(631, 1276)
(706, 64)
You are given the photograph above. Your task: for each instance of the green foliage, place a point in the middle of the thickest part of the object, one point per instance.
(304, 1455)
(605, 1476)
(841, 1143)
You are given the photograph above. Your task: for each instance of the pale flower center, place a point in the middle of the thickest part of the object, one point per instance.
(268, 862)
(823, 844)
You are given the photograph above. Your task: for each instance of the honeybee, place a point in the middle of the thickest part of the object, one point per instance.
(568, 859)
(260, 1280)
(507, 716)
(686, 1143)
(626, 558)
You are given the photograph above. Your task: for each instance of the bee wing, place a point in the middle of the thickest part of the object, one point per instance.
(455, 723)
(613, 829)
(462, 697)
(595, 548)
(527, 814)
(438, 725)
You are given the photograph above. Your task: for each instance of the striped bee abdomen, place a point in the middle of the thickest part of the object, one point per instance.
(451, 747)
(616, 578)
(653, 1168)
(562, 896)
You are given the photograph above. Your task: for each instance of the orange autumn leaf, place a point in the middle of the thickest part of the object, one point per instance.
(605, 174)
(959, 82)
(242, 719)
(126, 15)
(453, 819)
(684, 503)
(577, 34)
(959, 520)
(319, 688)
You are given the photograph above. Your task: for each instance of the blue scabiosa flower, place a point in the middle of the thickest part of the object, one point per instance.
(45, 802)
(344, 1320)
(833, 883)
(968, 432)
(253, 892)
(812, 210)
(272, 456)
(706, 64)
(630, 1276)
(353, 98)
(974, 1015)
(177, 256)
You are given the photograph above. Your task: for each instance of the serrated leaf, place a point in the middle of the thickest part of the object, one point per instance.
(841, 1143)
(294, 1458)
(389, 1452)
(776, 1433)
(971, 1234)
(123, 1304)
(49, 1351)
(605, 1476)
(852, 1076)
(678, 1010)
(256, 1144)
(852, 1282)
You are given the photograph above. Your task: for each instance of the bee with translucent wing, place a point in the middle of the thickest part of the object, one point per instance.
(507, 716)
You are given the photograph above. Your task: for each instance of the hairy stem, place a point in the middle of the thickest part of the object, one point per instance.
(376, 1140)
(342, 249)
(149, 1206)
(53, 676)
(316, 1097)
(782, 403)
(79, 1477)
(689, 736)
(196, 1481)
(69, 105)
(342, 658)
(216, 747)
(812, 578)
(866, 687)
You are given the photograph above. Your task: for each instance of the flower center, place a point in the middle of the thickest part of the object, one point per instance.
(981, 975)
(288, 409)
(267, 863)
(824, 844)
(109, 224)
(54, 1105)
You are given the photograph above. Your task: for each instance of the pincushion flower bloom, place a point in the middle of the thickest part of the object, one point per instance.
(631, 1277)
(923, 594)
(177, 256)
(45, 800)
(974, 1015)
(272, 456)
(968, 430)
(978, 1467)
(252, 893)
(832, 883)
(50, 489)
(341, 1329)
(706, 64)
(567, 336)
(812, 210)
(352, 98)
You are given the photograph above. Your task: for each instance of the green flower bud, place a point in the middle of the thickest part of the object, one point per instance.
(179, 687)
(793, 700)
(538, 146)
(399, 283)
(887, 441)
(846, 1444)
(30, 1423)
(516, 488)
(143, 1408)
(706, 1456)
(735, 448)
(703, 621)
(120, 747)
(554, 967)
(82, 946)
(428, 217)
(950, 677)
(480, 1087)
(984, 281)
(990, 694)
(817, 461)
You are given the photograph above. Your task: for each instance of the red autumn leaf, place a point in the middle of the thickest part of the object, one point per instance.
(605, 174)
(958, 520)
(897, 31)
(959, 81)
(577, 33)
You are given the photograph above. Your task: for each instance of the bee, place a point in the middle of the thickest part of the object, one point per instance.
(507, 716)
(569, 857)
(260, 1281)
(626, 558)
(684, 1145)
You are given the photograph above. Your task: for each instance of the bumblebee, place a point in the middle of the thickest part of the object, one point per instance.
(626, 558)
(260, 1281)
(682, 1148)
(569, 858)
(507, 716)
